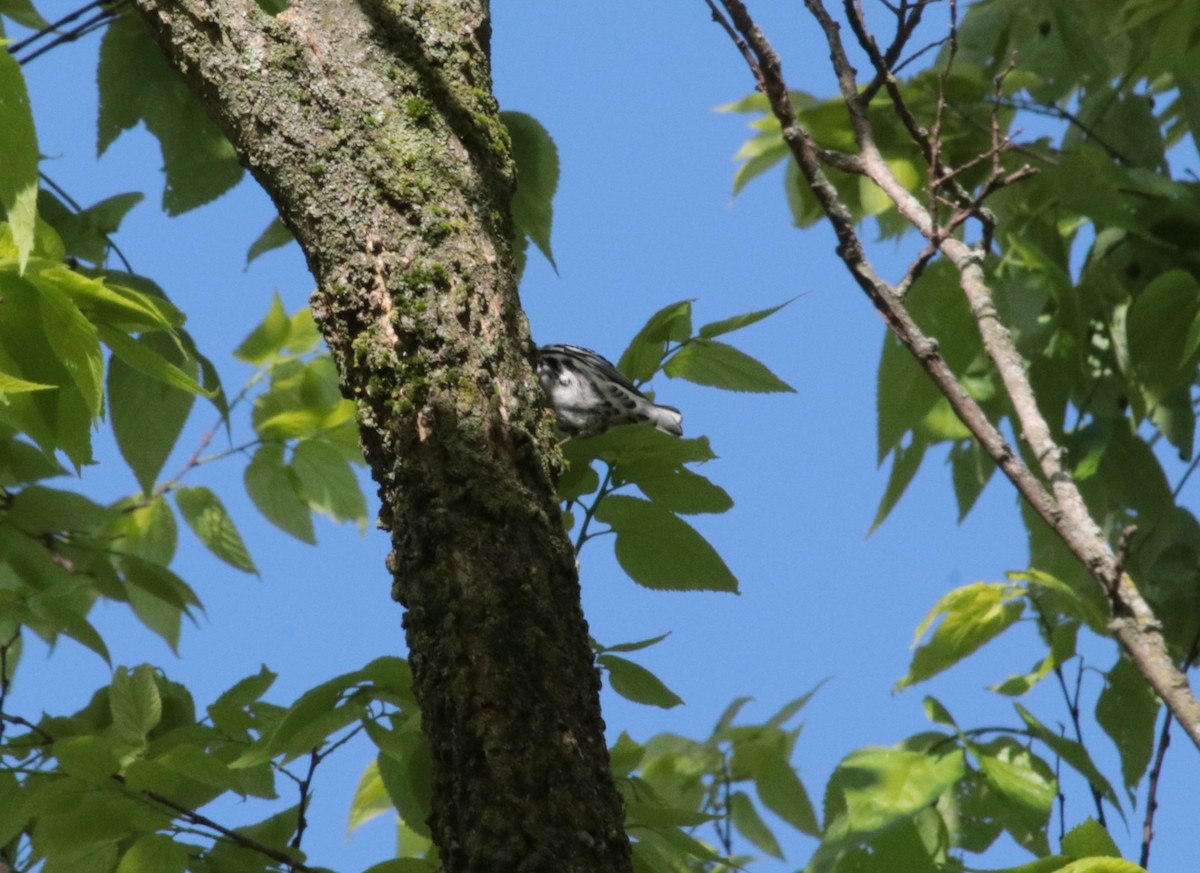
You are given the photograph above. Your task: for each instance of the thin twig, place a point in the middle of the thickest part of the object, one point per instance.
(70, 201)
(747, 56)
(193, 817)
(1164, 740)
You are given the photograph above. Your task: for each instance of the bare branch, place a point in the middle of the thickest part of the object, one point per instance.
(1062, 507)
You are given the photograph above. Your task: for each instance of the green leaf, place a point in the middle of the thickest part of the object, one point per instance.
(1100, 865)
(19, 169)
(138, 85)
(76, 342)
(62, 618)
(536, 159)
(88, 758)
(751, 826)
(1158, 328)
(970, 468)
(971, 615)
(1019, 775)
(10, 384)
(677, 489)
(154, 853)
(1075, 754)
(40, 511)
(206, 516)
(135, 702)
(779, 788)
(634, 682)
(22, 12)
(708, 362)
(328, 483)
(905, 464)
(14, 807)
(145, 360)
(1127, 710)
(147, 413)
(266, 340)
(147, 531)
(370, 799)
(904, 395)
(737, 322)
(873, 788)
(404, 865)
(672, 323)
(86, 232)
(632, 647)
(659, 550)
(407, 773)
(275, 490)
(275, 235)
(1089, 838)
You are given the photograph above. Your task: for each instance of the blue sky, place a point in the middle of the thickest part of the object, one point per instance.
(644, 216)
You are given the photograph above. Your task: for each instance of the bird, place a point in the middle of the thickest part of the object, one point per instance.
(589, 395)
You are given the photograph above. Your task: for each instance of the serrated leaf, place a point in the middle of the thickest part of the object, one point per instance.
(275, 490)
(88, 758)
(659, 550)
(751, 826)
(14, 807)
(906, 461)
(275, 235)
(677, 489)
(1126, 710)
(407, 774)
(206, 516)
(1073, 753)
(536, 159)
(1089, 838)
(86, 232)
(328, 483)
(1158, 328)
(24, 13)
(40, 511)
(138, 85)
(1019, 775)
(782, 792)
(970, 616)
(876, 787)
(268, 338)
(370, 799)
(135, 702)
(145, 360)
(147, 413)
(737, 322)
(10, 384)
(672, 323)
(904, 395)
(65, 620)
(634, 682)
(708, 362)
(76, 342)
(154, 853)
(19, 169)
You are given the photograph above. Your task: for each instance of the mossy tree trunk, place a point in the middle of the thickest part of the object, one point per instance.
(373, 127)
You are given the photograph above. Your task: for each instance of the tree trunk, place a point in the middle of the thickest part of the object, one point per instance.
(373, 127)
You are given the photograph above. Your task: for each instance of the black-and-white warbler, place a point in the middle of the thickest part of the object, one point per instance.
(589, 395)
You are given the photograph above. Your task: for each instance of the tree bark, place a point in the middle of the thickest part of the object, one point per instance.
(373, 127)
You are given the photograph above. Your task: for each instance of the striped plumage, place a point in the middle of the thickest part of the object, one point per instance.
(589, 395)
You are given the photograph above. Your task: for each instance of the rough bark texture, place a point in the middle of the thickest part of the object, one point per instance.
(373, 127)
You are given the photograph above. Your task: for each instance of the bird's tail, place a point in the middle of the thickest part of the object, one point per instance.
(668, 419)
